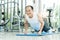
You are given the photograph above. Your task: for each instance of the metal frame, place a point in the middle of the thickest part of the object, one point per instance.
(0, 12)
(13, 15)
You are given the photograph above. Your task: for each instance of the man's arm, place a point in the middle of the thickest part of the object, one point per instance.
(25, 25)
(42, 23)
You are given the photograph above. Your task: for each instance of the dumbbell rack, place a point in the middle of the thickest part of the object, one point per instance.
(2, 15)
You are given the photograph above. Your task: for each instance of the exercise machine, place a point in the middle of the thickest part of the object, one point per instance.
(49, 16)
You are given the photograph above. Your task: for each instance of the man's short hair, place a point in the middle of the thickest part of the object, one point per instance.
(30, 6)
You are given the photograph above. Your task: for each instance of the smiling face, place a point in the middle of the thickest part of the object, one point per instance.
(29, 11)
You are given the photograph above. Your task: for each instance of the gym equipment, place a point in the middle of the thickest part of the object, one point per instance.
(49, 17)
(11, 10)
(21, 23)
(2, 13)
(5, 22)
(14, 15)
(34, 34)
(7, 10)
(2, 26)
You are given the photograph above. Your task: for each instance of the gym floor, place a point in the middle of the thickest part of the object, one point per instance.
(12, 36)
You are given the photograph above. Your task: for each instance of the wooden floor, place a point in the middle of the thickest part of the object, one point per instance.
(12, 36)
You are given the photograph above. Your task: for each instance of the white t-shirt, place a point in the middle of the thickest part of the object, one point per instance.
(34, 22)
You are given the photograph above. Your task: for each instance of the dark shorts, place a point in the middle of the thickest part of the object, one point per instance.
(37, 31)
(42, 30)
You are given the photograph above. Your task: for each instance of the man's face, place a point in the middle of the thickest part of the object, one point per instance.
(29, 11)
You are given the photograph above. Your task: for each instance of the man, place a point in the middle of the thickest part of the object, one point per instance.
(34, 19)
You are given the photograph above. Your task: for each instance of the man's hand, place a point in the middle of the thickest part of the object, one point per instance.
(25, 26)
(25, 32)
(39, 32)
